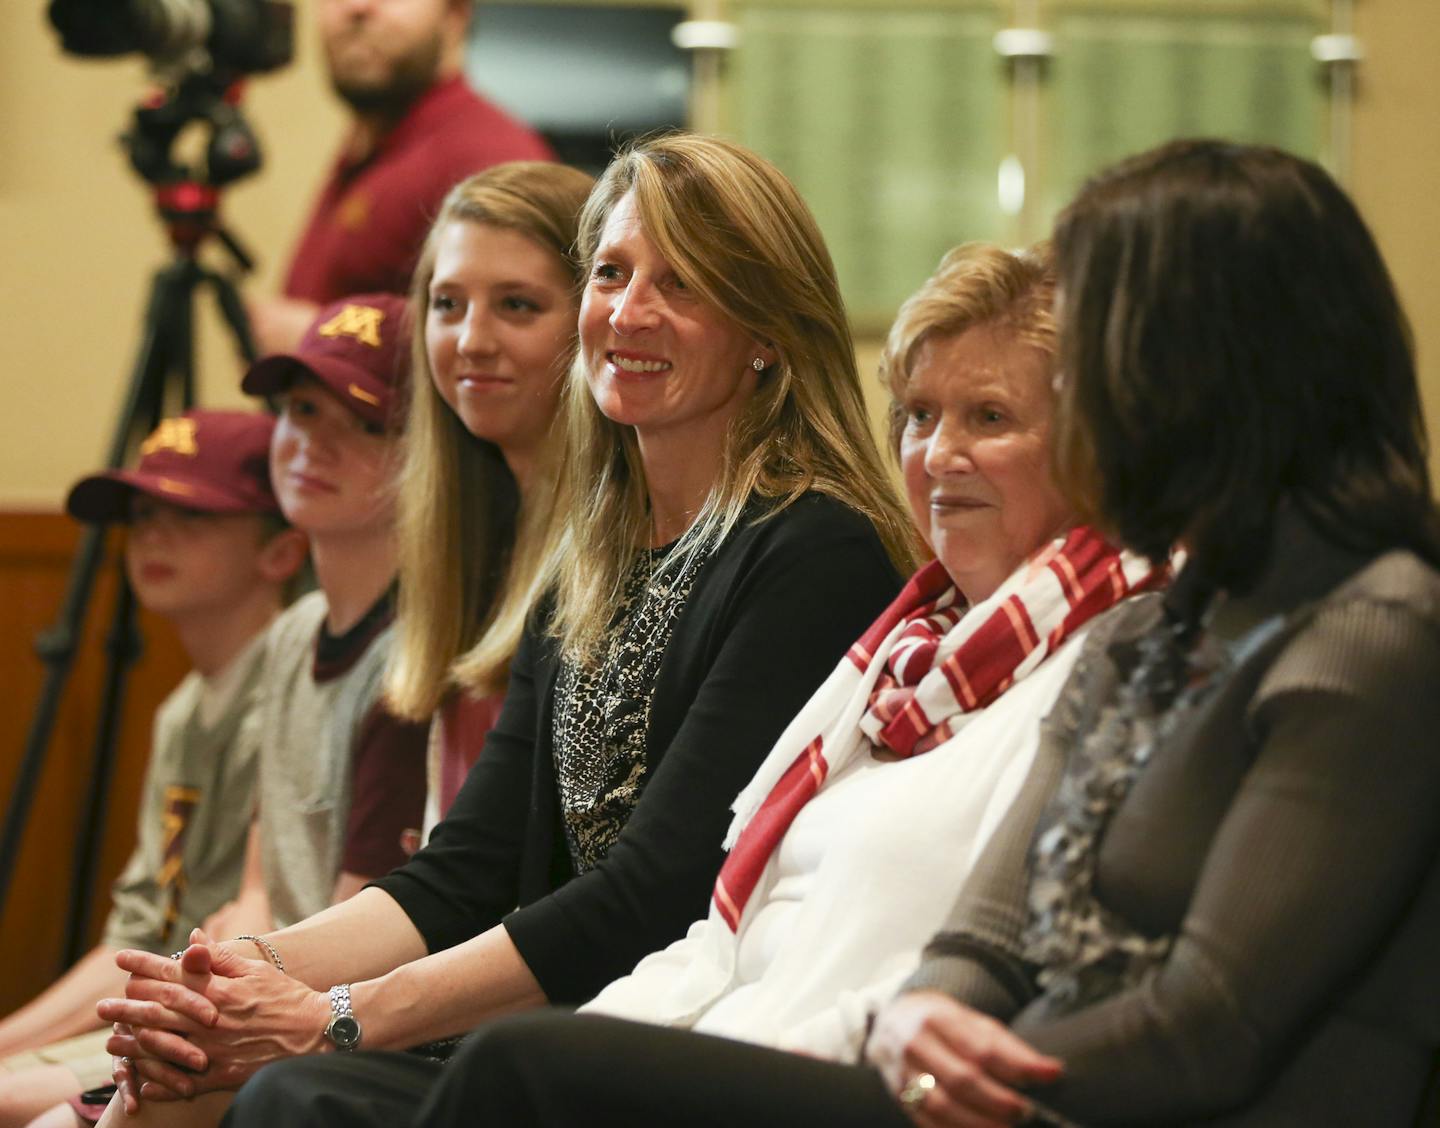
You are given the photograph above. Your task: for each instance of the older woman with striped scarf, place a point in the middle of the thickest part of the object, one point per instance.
(851, 841)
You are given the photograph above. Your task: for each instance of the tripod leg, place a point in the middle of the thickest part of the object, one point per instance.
(233, 310)
(179, 343)
(122, 647)
(173, 360)
(56, 646)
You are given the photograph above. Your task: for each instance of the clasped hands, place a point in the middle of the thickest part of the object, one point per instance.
(206, 1021)
(212, 1018)
(976, 1062)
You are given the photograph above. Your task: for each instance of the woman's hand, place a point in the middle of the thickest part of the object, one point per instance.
(975, 1062)
(136, 1075)
(210, 1019)
(122, 1071)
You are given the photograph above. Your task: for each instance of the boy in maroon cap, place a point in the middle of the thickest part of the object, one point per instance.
(208, 550)
(342, 780)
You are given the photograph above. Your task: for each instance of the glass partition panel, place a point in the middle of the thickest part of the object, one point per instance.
(1124, 79)
(890, 120)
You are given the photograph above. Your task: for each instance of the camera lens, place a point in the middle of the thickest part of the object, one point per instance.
(168, 29)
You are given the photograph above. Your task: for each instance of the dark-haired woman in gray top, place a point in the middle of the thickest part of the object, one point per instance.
(1217, 900)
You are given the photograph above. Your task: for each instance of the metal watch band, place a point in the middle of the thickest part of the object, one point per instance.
(344, 1028)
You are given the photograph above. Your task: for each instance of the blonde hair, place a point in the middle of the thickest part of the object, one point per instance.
(739, 235)
(975, 284)
(470, 553)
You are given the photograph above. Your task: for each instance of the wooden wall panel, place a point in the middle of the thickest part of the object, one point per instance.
(35, 554)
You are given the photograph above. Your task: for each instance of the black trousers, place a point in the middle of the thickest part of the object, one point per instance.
(556, 1069)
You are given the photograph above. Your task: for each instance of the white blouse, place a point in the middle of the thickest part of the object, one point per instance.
(866, 874)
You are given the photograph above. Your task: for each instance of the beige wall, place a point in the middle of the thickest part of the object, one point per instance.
(78, 241)
(1397, 163)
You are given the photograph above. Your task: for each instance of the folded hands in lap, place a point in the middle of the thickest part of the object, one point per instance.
(206, 1021)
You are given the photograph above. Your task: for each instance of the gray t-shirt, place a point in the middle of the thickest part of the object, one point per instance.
(195, 809)
(310, 730)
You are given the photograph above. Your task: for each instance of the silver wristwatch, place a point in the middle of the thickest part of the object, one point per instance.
(344, 1029)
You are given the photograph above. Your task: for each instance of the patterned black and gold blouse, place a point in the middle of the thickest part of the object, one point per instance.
(602, 709)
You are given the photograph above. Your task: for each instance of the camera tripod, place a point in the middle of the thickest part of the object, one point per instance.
(162, 381)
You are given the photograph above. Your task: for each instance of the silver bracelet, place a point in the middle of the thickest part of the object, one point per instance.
(268, 949)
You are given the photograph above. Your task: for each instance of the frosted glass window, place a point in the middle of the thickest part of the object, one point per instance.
(1123, 81)
(890, 121)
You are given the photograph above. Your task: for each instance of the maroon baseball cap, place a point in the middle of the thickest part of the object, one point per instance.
(356, 347)
(212, 461)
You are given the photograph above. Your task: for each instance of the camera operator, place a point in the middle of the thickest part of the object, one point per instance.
(416, 128)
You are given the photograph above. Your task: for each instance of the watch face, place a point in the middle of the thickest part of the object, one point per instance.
(344, 1031)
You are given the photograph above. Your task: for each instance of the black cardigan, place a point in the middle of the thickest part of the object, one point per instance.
(770, 614)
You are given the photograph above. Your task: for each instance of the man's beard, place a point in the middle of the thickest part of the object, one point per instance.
(391, 97)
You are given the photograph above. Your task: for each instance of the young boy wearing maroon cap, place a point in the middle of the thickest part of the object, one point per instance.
(342, 781)
(208, 550)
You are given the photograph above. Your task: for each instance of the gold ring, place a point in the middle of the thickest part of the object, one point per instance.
(914, 1094)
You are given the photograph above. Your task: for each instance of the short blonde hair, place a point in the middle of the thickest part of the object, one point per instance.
(737, 232)
(975, 284)
(470, 556)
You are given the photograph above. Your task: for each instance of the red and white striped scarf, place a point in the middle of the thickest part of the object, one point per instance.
(946, 661)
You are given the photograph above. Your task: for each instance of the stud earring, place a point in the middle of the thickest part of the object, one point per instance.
(758, 364)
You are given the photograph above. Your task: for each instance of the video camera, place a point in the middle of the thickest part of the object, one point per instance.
(230, 37)
(201, 52)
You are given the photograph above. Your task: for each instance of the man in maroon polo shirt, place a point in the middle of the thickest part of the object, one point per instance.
(416, 129)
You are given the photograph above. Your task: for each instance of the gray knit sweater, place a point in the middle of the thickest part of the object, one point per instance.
(1285, 836)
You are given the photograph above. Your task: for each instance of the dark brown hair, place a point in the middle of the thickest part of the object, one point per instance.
(1232, 342)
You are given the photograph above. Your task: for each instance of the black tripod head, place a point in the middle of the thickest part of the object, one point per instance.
(187, 195)
(203, 49)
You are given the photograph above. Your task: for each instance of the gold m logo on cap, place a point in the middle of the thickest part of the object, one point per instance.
(357, 321)
(363, 396)
(172, 434)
